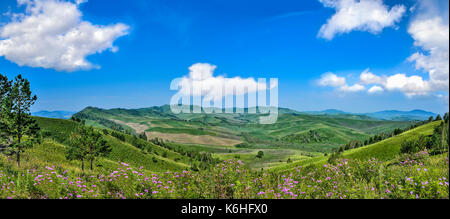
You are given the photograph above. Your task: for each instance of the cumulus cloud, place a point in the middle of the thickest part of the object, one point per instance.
(332, 80)
(410, 85)
(368, 77)
(430, 31)
(375, 89)
(51, 34)
(202, 82)
(363, 15)
(431, 35)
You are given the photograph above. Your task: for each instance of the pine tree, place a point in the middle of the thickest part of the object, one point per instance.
(5, 108)
(18, 127)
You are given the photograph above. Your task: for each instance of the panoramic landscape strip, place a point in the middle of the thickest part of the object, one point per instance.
(245, 102)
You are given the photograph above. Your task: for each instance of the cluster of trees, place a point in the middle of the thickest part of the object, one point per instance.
(18, 130)
(310, 136)
(76, 119)
(205, 159)
(86, 144)
(436, 143)
(118, 135)
(140, 141)
(81, 117)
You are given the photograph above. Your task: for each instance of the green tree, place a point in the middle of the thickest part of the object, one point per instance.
(143, 136)
(260, 154)
(5, 89)
(86, 144)
(19, 129)
(438, 117)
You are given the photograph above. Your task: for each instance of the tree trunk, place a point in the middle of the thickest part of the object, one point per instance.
(82, 165)
(18, 158)
(92, 160)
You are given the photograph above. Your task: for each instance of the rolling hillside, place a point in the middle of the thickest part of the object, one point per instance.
(384, 150)
(292, 129)
(152, 158)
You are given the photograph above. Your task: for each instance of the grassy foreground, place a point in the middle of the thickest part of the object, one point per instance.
(411, 177)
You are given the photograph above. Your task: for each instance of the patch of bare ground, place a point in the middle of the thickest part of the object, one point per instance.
(193, 139)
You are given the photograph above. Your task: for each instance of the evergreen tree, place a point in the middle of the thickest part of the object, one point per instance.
(5, 109)
(18, 128)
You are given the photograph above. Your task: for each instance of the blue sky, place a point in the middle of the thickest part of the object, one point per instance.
(280, 39)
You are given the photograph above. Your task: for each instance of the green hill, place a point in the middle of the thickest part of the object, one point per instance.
(384, 150)
(151, 157)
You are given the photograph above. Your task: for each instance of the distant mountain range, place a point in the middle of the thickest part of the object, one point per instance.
(395, 115)
(54, 114)
(383, 115)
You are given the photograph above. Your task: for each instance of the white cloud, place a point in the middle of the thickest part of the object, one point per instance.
(202, 82)
(430, 31)
(368, 77)
(363, 15)
(411, 86)
(332, 80)
(81, 1)
(353, 88)
(52, 34)
(431, 34)
(375, 89)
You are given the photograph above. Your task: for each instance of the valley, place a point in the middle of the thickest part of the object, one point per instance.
(294, 137)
